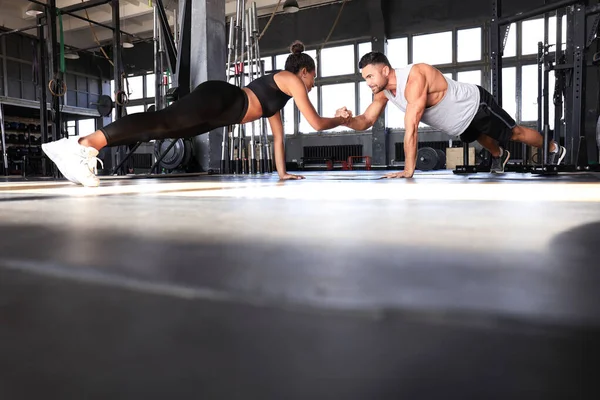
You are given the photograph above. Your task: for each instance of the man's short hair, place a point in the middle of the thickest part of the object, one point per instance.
(373, 57)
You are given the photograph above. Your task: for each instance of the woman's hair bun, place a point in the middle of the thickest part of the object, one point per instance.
(297, 47)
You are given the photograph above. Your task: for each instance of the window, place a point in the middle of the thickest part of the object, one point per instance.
(135, 87)
(86, 127)
(71, 129)
(336, 96)
(551, 110)
(552, 31)
(304, 126)
(288, 118)
(509, 85)
(280, 61)
(511, 42)
(135, 109)
(337, 61)
(150, 85)
(468, 45)
(364, 48)
(532, 32)
(473, 77)
(268, 64)
(397, 52)
(529, 93)
(365, 97)
(434, 48)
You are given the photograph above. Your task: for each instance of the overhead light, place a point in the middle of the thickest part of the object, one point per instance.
(290, 6)
(72, 55)
(126, 43)
(34, 9)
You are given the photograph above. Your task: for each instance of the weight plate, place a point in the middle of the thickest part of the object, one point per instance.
(427, 159)
(441, 159)
(174, 157)
(104, 105)
(151, 108)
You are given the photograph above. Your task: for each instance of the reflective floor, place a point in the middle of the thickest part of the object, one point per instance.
(340, 286)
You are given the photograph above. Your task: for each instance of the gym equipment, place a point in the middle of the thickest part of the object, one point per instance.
(352, 159)
(441, 159)
(243, 57)
(598, 135)
(104, 105)
(4, 156)
(172, 153)
(427, 159)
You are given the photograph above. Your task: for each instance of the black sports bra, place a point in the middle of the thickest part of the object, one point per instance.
(271, 98)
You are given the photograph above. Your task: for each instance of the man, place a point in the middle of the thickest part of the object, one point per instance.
(458, 109)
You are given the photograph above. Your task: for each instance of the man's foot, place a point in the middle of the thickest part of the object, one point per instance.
(556, 157)
(76, 162)
(498, 163)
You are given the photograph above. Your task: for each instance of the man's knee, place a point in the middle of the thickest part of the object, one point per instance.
(517, 133)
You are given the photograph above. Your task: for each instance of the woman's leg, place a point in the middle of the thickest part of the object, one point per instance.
(209, 106)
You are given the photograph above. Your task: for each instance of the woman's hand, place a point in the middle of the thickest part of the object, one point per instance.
(287, 177)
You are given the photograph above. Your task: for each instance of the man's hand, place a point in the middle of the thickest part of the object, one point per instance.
(343, 112)
(401, 174)
(287, 177)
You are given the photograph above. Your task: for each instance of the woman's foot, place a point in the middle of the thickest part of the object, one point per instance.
(76, 162)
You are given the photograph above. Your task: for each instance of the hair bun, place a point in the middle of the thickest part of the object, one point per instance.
(297, 47)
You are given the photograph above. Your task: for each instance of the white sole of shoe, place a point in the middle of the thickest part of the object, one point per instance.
(564, 153)
(57, 160)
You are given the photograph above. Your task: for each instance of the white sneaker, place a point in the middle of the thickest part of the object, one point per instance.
(76, 162)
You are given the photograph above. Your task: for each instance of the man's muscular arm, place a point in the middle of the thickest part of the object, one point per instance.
(416, 97)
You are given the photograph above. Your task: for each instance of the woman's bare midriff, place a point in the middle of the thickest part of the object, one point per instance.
(254, 110)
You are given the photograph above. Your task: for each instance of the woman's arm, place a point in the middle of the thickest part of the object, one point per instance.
(279, 147)
(291, 84)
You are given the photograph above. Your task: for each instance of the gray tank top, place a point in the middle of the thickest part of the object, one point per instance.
(453, 114)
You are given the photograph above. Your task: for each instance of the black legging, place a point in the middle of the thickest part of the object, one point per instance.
(211, 105)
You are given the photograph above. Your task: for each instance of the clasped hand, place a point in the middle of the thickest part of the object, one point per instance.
(344, 113)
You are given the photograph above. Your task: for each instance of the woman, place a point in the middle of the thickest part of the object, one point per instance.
(211, 105)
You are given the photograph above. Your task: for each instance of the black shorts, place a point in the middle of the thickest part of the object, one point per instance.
(490, 120)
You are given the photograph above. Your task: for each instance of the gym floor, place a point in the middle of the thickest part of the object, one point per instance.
(340, 286)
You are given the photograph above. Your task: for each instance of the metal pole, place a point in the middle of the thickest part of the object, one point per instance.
(43, 83)
(117, 70)
(235, 167)
(241, 163)
(540, 72)
(250, 46)
(4, 157)
(227, 130)
(546, 104)
(579, 38)
(537, 11)
(20, 30)
(158, 99)
(558, 83)
(259, 72)
(167, 35)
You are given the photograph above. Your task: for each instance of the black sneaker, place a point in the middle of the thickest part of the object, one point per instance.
(498, 163)
(556, 158)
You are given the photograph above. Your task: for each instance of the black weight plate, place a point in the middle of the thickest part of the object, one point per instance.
(427, 159)
(441, 159)
(104, 105)
(151, 108)
(174, 157)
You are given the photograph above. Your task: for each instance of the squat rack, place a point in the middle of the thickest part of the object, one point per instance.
(577, 32)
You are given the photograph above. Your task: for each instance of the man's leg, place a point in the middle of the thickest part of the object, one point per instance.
(533, 138)
(490, 145)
